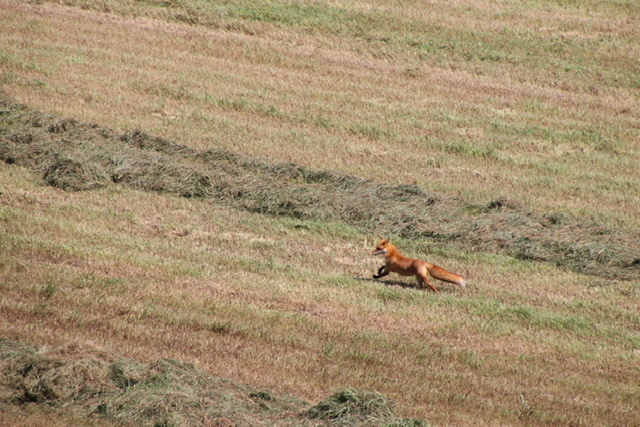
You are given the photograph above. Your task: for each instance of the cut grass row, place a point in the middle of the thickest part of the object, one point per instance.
(534, 100)
(120, 268)
(86, 385)
(556, 40)
(326, 100)
(58, 149)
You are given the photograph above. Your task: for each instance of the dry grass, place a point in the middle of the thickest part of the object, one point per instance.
(535, 101)
(153, 277)
(98, 387)
(75, 156)
(539, 101)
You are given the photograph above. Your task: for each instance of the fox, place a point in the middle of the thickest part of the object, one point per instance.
(395, 262)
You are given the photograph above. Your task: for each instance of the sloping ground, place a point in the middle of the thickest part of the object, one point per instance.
(80, 156)
(92, 383)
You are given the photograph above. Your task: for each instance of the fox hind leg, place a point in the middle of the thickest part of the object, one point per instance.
(422, 280)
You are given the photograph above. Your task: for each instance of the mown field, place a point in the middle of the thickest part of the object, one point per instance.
(190, 190)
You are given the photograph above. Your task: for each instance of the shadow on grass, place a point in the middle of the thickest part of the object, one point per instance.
(395, 283)
(444, 288)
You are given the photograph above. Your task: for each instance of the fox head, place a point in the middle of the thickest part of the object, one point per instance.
(382, 248)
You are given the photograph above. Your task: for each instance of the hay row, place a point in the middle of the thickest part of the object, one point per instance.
(77, 156)
(94, 384)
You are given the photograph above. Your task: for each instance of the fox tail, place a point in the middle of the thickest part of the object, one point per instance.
(442, 274)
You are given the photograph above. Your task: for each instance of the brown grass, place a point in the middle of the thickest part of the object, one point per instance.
(57, 148)
(90, 383)
(536, 102)
(552, 129)
(158, 277)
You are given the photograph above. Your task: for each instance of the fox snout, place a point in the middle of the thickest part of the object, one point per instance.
(381, 249)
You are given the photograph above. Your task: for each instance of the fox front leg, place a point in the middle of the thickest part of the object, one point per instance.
(382, 271)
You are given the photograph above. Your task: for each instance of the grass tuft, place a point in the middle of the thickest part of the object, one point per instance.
(350, 406)
(49, 290)
(71, 175)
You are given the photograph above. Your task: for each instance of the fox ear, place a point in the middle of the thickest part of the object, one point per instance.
(384, 241)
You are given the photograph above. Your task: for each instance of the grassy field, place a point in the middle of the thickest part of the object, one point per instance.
(498, 140)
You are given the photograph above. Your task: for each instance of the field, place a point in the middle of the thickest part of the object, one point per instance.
(190, 192)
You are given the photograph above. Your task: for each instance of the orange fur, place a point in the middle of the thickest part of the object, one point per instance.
(395, 262)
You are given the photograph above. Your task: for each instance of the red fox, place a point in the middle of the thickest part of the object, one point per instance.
(397, 263)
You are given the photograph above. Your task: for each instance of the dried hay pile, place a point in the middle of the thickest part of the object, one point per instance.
(349, 406)
(92, 383)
